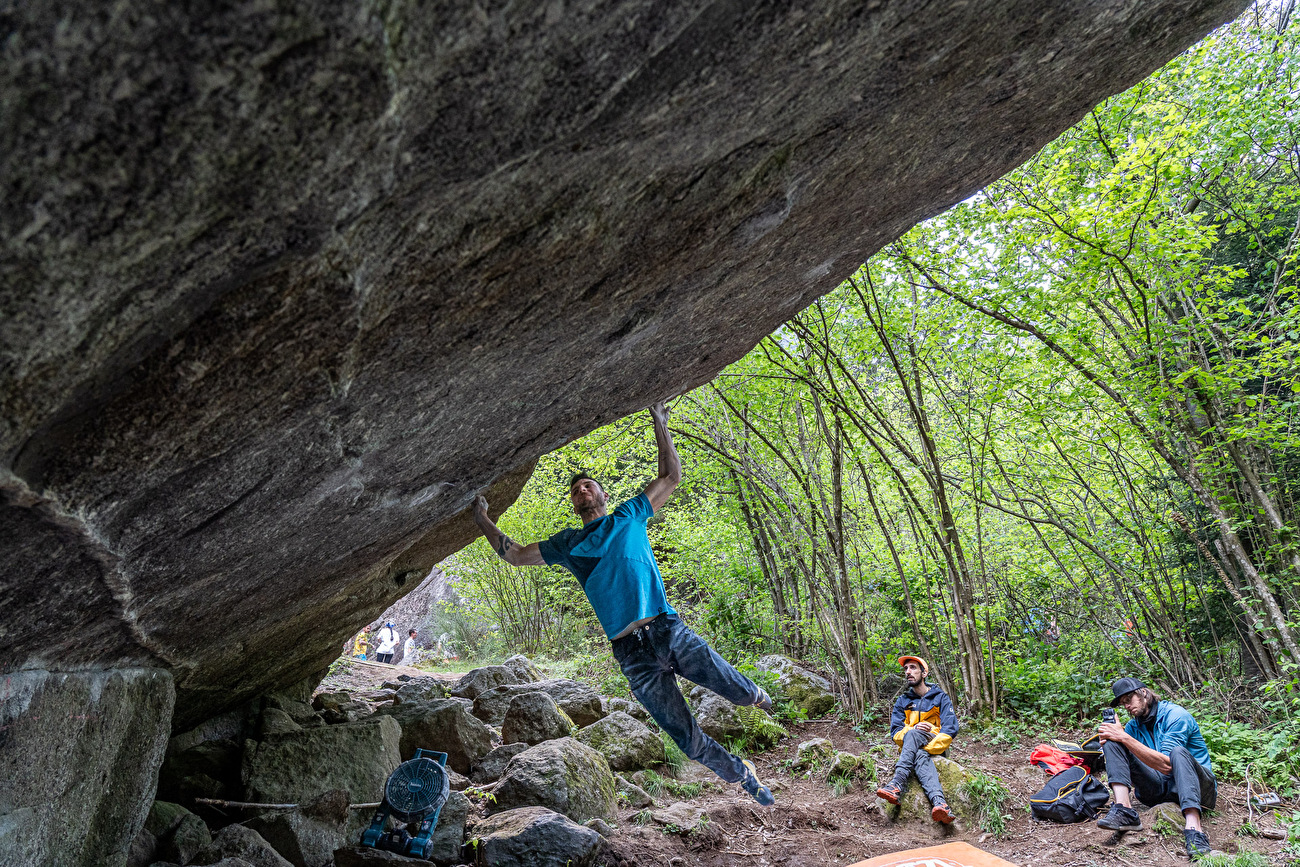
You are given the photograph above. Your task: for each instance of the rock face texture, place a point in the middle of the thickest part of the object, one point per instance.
(562, 775)
(579, 701)
(534, 717)
(530, 836)
(445, 725)
(627, 744)
(284, 285)
(298, 766)
(79, 751)
(812, 692)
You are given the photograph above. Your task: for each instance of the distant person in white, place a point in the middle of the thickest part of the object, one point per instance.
(408, 649)
(387, 644)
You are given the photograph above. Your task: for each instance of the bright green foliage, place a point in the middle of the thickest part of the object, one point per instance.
(674, 758)
(1045, 439)
(761, 731)
(1038, 688)
(1241, 859)
(986, 798)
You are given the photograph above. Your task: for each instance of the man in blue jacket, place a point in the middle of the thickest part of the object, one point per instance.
(1159, 753)
(610, 556)
(922, 724)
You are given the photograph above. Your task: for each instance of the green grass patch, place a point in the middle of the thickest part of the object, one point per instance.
(674, 758)
(986, 797)
(1241, 859)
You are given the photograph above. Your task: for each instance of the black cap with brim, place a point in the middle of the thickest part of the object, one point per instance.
(1124, 686)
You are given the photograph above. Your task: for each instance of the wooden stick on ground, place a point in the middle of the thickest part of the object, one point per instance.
(250, 805)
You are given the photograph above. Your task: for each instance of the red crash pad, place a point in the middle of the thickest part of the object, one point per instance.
(947, 855)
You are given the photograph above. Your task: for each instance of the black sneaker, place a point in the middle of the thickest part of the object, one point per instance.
(1198, 845)
(1120, 818)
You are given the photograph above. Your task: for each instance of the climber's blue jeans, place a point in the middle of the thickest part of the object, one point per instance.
(651, 658)
(915, 760)
(1189, 783)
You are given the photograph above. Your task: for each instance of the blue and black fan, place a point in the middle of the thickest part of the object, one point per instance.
(413, 796)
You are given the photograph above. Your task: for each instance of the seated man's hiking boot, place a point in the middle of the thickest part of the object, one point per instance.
(757, 790)
(890, 792)
(940, 813)
(1198, 845)
(764, 700)
(1120, 818)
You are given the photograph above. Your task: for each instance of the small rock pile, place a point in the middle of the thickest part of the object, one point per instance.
(532, 764)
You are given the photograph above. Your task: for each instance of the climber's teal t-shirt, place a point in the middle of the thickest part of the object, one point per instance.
(612, 560)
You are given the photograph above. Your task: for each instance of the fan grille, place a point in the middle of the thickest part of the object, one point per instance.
(416, 788)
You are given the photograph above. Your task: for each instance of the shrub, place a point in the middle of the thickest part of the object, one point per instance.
(1054, 689)
(674, 758)
(986, 796)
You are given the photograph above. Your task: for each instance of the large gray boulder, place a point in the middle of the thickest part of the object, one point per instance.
(278, 279)
(479, 680)
(626, 744)
(810, 691)
(171, 833)
(630, 707)
(238, 841)
(184, 841)
(307, 836)
(490, 768)
(534, 717)
(445, 845)
(582, 703)
(421, 689)
(525, 671)
(717, 716)
(533, 837)
(563, 775)
(340, 706)
(445, 725)
(79, 759)
(296, 767)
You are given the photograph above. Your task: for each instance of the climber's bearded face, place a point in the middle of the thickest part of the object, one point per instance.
(912, 673)
(587, 497)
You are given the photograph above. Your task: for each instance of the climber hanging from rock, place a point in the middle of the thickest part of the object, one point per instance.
(610, 556)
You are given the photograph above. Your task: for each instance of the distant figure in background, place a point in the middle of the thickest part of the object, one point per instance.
(360, 643)
(408, 649)
(387, 644)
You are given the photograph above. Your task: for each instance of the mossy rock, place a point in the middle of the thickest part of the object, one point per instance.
(813, 753)
(563, 775)
(810, 691)
(915, 805)
(627, 744)
(858, 770)
(1166, 820)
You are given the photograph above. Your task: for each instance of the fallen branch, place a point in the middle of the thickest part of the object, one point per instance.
(250, 805)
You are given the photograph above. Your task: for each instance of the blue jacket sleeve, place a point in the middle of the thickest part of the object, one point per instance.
(948, 723)
(1177, 733)
(896, 718)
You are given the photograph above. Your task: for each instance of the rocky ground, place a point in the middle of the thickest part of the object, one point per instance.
(547, 771)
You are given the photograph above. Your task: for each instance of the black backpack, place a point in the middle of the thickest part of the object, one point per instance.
(1073, 795)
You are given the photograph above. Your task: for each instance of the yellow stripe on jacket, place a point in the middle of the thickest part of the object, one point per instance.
(938, 743)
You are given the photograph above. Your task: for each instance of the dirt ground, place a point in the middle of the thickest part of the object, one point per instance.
(809, 826)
